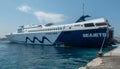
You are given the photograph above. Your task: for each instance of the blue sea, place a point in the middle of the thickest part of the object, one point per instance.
(21, 56)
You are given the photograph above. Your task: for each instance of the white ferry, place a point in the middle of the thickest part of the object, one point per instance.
(83, 33)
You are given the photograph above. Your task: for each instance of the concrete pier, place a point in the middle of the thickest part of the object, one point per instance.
(110, 60)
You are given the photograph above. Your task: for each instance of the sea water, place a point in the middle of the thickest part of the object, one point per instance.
(21, 56)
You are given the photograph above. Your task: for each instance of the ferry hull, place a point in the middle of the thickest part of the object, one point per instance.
(88, 38)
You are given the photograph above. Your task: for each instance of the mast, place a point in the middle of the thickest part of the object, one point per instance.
(82, 18)
(83, 8)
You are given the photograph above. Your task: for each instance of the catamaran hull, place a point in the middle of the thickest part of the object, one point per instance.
(88, 37)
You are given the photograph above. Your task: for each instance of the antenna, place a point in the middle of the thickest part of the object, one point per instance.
(83, 8)
(83, 17)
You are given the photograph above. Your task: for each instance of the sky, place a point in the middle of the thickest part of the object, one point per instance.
(14, 13)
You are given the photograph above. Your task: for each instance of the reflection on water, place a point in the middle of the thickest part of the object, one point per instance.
(20, 56)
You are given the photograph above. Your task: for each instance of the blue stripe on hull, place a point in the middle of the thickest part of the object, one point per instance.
(75, 38)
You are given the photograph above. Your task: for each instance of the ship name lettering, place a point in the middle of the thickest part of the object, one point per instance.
(95, 35)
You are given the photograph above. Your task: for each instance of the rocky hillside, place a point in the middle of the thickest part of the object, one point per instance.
(3, 38)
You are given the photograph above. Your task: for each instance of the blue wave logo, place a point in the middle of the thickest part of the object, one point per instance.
(35, 38)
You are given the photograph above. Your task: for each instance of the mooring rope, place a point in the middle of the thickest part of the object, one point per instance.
(100, 51)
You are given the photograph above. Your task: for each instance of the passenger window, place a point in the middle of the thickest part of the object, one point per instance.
(69, 27)
(89, 25)
(101, 24)
(81, 25)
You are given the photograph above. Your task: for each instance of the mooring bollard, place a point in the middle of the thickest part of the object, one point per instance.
(100, 54)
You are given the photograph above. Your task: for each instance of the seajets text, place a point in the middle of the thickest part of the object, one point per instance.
(95, 35)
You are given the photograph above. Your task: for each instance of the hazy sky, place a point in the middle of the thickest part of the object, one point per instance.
(14, 13)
